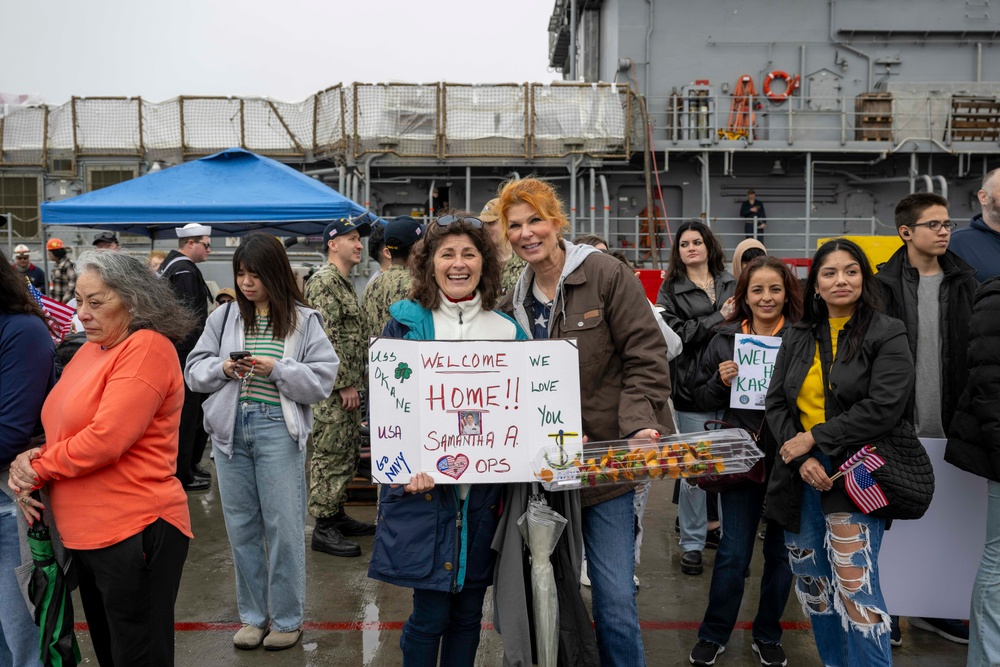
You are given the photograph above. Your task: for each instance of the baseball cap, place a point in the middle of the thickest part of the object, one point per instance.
(54, 244)
(402, 232)
(105, 237)
(347, 225)
(491, 212)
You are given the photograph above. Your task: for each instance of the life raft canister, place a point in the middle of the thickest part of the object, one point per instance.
(791, 83)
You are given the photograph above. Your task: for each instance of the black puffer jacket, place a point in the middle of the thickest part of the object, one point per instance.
(899, 282)
(863, 403)
(974, 438)
(688, 311)
(714, 395)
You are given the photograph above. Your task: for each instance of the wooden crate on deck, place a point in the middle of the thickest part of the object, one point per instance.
(873, 117)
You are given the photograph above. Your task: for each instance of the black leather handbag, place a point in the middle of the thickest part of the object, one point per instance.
(907, 478)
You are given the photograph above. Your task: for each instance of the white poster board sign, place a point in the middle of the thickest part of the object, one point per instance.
(927, 567)
(755, 357)
(470, 411)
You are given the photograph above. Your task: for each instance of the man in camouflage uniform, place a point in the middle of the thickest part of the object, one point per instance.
(512, 264)
(336, 435)
(394, 283)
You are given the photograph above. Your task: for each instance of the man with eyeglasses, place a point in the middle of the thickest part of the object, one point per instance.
(194, 244)
(979, 242)
(931, 289)
(22, 262)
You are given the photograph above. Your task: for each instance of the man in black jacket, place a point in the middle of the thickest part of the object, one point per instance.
(931, 290)
(752, 211)
(973, 443)
(179, 267)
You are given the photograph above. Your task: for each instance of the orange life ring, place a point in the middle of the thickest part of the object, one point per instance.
(791, 83)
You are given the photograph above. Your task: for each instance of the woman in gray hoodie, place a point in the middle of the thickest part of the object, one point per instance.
(264, 362)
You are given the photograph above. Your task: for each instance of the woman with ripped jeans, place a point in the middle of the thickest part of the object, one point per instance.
(837, 383)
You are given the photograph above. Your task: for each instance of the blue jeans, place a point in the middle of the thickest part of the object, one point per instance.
(263, 489)
(18, 632)
(609, 540)
(691, 507)
(984, 621)
(835, 560)
(741, 509)
(449, 621)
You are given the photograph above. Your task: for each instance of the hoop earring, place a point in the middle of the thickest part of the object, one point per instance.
(817, 296)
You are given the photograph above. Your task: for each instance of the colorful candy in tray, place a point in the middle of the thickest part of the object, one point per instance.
(683, 455)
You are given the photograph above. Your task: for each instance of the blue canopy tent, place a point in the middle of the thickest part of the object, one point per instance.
(234, 191)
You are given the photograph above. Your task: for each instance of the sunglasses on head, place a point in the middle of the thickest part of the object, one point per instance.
(446, 220)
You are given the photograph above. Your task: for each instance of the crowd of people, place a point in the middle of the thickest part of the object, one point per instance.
(104, 449)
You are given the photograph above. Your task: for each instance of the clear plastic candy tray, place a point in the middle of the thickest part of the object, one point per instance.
(684, 455)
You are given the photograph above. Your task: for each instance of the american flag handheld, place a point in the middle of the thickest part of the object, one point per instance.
(858, 481)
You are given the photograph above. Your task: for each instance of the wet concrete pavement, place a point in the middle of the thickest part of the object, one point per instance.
(353, 620)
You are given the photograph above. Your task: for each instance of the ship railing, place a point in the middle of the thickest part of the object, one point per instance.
(439, 120)
(785, 237)
(952, 119)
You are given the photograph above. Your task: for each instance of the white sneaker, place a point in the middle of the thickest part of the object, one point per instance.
(584, 578)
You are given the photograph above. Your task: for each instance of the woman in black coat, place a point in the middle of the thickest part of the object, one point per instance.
(974, 446)
(696, 296)
(768, 301)
(837, 386)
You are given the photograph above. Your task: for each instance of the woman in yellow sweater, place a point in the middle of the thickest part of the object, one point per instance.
(837, 383)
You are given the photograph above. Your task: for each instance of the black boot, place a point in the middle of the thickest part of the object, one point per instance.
(328, 539)
(351, 527)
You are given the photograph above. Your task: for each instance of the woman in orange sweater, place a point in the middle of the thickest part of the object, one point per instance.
(111, 426)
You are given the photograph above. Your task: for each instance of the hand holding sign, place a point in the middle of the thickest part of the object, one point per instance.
(754, 360)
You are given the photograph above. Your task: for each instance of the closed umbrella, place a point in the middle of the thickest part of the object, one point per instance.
(53, 605)
(541, 526)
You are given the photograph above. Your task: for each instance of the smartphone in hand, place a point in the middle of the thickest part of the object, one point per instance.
(240, 354)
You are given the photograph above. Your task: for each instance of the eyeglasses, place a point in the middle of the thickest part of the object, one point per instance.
(22, 256)
(446, 220)
(936, 225)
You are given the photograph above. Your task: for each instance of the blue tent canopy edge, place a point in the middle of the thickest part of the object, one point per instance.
(235, 191)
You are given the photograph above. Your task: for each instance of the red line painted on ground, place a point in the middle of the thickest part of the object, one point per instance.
(356, 626)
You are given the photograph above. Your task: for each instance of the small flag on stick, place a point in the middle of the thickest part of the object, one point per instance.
(60, 315)
(858, 481)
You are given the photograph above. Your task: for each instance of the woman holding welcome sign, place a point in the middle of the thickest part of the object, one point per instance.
(838, 384)
(768, 300)
(576, 291)
(419, 543)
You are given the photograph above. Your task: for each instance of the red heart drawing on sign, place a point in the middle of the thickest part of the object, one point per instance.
(453, 466)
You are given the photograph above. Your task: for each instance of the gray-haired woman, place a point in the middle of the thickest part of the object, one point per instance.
(111, 427)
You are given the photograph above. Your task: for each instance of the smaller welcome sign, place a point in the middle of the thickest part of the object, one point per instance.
(755, 357)
(470, 411)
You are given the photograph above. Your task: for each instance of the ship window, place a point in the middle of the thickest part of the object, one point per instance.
(20, 196)
(102, 177)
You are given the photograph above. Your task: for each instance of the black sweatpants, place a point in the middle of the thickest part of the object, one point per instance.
(128, 591)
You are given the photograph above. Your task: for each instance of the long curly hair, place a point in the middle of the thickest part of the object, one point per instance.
(150, 300)
(424, 289)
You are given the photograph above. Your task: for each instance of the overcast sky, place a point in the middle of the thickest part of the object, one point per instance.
(285, 49)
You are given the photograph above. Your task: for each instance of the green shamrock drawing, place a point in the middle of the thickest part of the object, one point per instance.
(403, 372)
